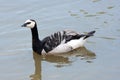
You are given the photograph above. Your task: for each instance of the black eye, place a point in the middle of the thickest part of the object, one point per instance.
(28, 22)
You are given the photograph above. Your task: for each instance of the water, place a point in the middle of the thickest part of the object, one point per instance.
(98, 60)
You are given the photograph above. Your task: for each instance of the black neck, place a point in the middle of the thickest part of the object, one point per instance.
(34, 31)
(37, 45)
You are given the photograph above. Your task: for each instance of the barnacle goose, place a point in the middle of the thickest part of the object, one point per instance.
(59, 42)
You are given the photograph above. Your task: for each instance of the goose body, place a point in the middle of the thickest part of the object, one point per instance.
(59, 42)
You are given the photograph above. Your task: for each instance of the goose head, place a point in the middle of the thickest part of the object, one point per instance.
(30, 23)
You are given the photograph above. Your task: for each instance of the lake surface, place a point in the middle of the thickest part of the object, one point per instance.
(98, 60)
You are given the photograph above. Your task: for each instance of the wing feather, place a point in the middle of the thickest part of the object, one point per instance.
(58, 38)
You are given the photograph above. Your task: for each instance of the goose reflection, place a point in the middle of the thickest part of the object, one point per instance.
(61, 60)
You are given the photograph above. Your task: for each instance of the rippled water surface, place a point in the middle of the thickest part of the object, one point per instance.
(98, 60)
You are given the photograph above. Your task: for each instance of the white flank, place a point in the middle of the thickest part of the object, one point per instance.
(77, 43)
(62, 49)
(69, 46)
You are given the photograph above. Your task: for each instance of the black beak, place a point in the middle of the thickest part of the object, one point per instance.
(24, 25)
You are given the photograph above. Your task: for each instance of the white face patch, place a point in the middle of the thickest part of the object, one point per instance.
(30, 24)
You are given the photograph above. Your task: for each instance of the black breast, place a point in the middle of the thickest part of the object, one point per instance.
(37, 46)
